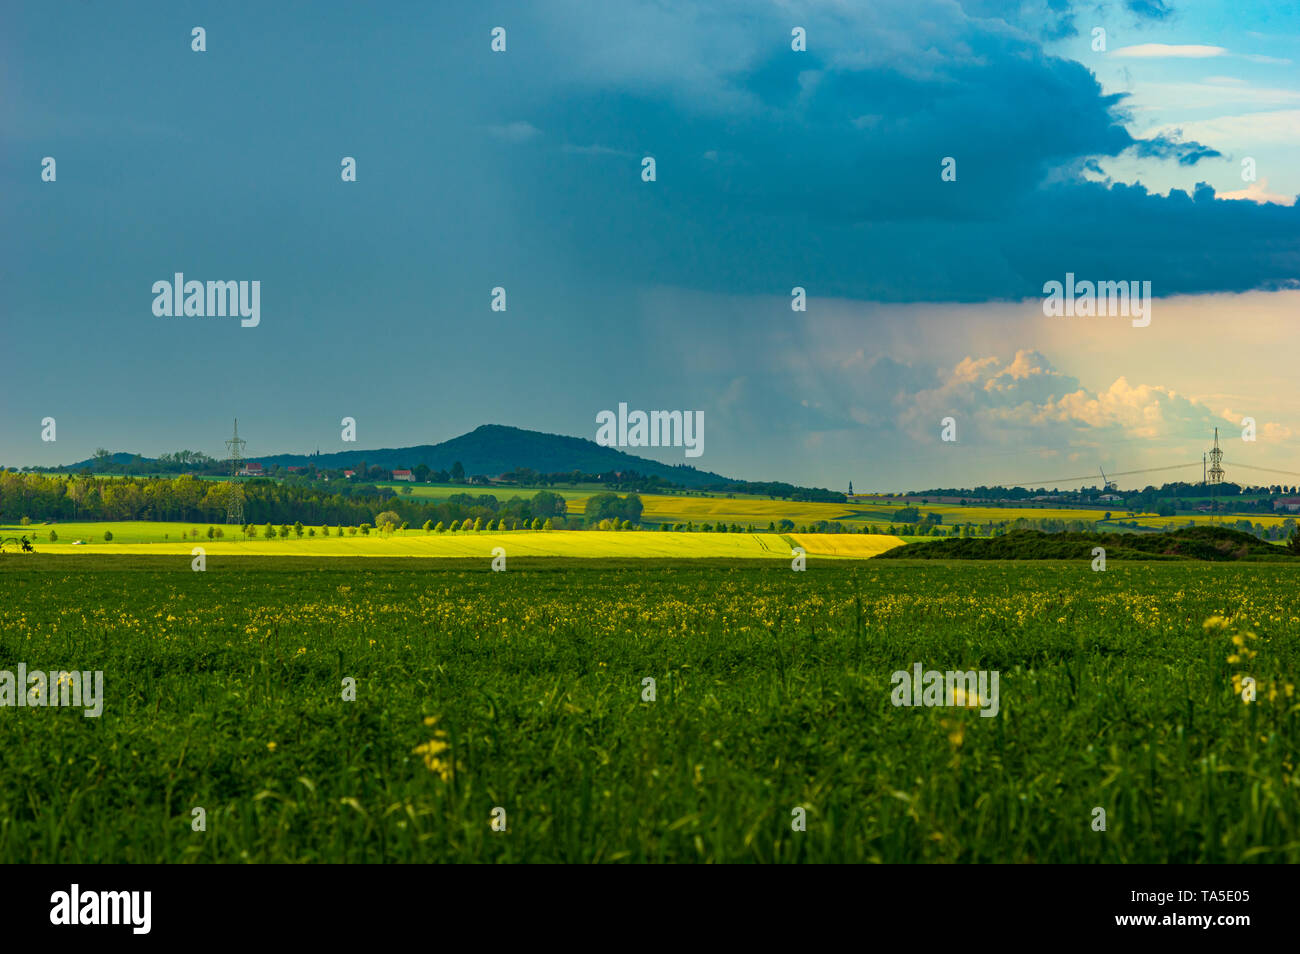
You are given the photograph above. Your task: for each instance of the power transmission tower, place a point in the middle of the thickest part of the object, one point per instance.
(235, 493)
(1216, 461)
(1216, 474)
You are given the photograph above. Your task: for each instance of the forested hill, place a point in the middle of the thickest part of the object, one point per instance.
(491, 450)
(494, 449)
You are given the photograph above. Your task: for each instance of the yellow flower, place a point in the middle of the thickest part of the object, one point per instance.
(270, 746)
(431, 748)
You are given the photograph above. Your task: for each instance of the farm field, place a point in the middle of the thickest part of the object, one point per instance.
(759, 511)
(523, 691)
(137, 538)
(859, 546)
(1201, 519)
(740, 510)
(746, 509)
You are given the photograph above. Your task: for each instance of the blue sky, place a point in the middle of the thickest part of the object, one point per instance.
(775, 169)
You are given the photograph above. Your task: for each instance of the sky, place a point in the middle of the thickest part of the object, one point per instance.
(1131, 140)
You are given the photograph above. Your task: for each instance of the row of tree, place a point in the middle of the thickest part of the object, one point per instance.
(44, 497)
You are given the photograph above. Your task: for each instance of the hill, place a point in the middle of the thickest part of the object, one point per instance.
(1191, 543)
(491, 449)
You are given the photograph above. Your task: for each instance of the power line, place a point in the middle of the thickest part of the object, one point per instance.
(1119, 473)
(1098, 448)
(1271, 470)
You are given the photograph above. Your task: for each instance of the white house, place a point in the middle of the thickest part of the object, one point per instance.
(403, 475)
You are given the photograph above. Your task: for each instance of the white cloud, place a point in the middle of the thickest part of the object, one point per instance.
(1160, 50)
(1258, 192)
(1273, 127)
(1209, 95)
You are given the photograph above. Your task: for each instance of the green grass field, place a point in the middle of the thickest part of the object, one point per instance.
(503, 493)
(523, 691)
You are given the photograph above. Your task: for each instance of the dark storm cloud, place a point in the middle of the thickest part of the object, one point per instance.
(822, 169)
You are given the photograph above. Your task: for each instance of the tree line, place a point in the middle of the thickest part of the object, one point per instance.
(42, 497)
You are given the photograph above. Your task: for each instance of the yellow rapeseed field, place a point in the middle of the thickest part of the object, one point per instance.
(519, 543)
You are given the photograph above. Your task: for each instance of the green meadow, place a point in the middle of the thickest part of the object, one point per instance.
(522, 697)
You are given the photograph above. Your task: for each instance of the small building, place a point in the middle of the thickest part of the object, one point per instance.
(349, 473)
(1115, 497)
(251, 469)
(1291, 504)
(403, 475)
